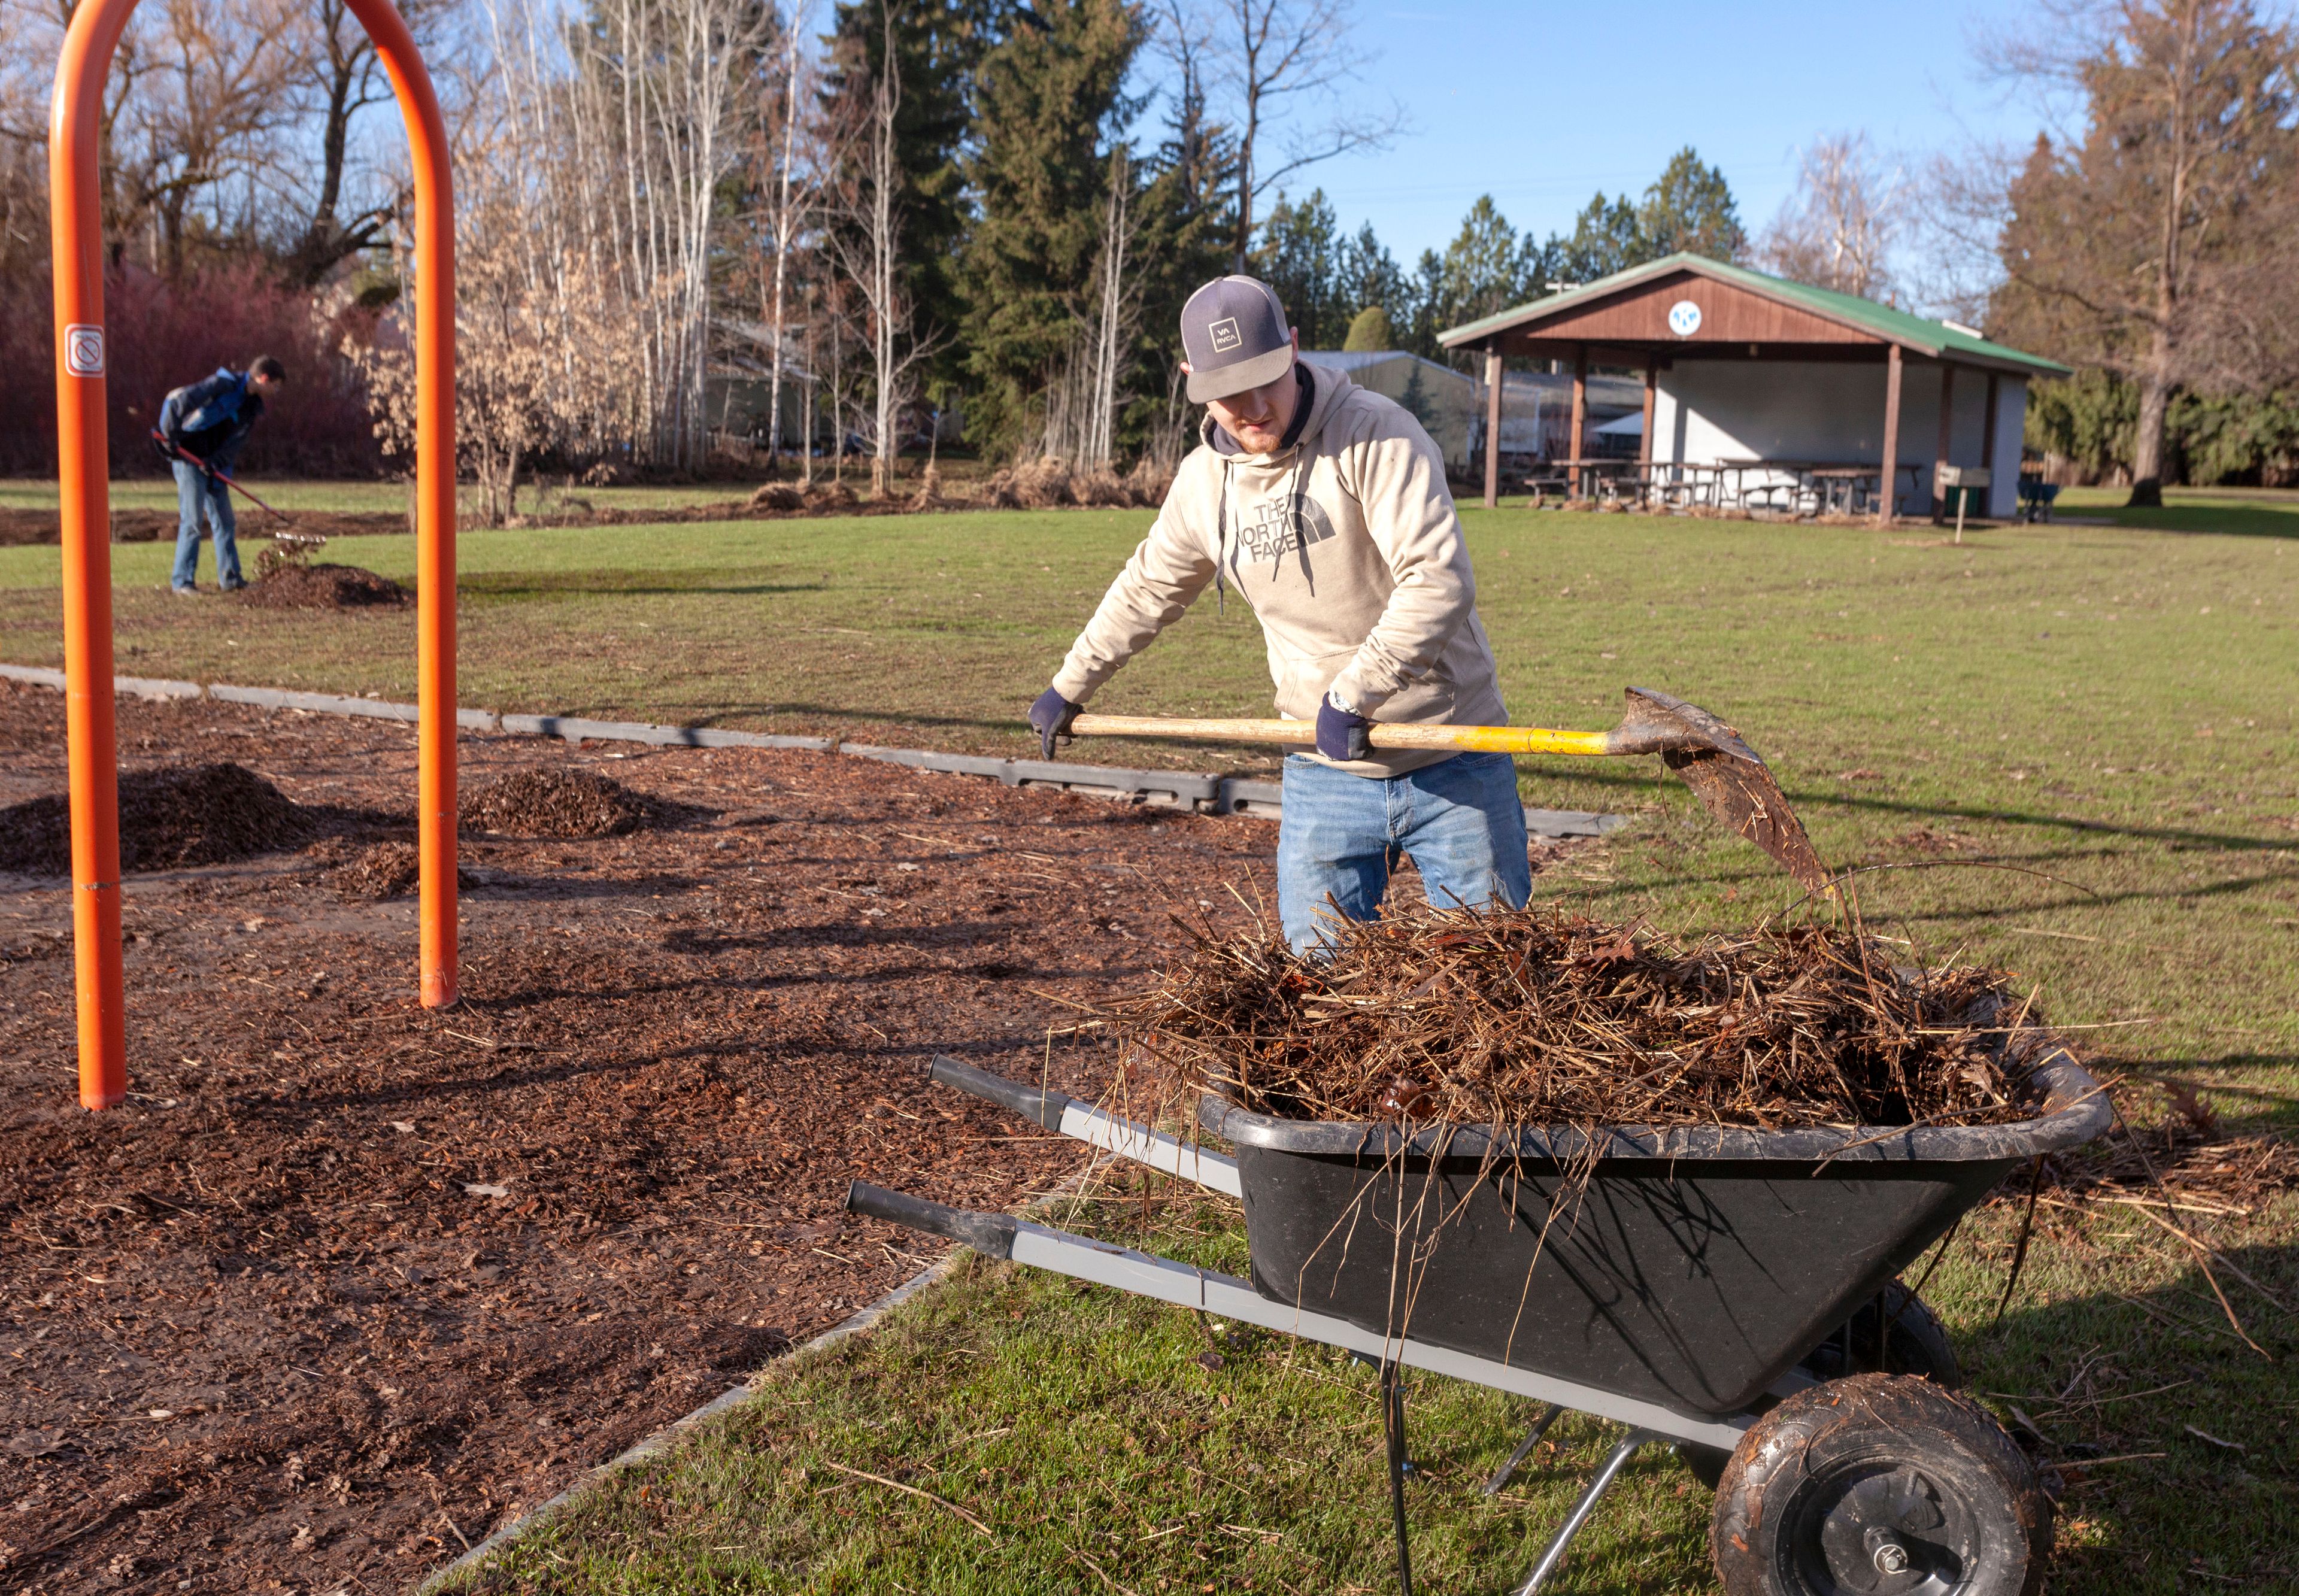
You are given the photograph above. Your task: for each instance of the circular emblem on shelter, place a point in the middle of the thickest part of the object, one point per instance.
(1684, 317)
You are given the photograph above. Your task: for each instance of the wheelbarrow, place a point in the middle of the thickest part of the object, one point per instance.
(1732, 1292)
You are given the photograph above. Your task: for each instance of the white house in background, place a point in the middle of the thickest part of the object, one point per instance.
(1447, 400)
(1739, 368)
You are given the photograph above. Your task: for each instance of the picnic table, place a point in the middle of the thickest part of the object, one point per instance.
(1800, 488)
(1818, 487)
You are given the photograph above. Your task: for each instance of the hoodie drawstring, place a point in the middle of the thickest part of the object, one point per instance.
(1300, 526)
(1221, 543)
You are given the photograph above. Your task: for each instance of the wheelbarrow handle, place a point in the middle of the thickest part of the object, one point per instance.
(989, 1234)
(1041, 1103)
(1474, 739)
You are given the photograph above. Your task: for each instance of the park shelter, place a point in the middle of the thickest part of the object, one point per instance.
(1740, 367)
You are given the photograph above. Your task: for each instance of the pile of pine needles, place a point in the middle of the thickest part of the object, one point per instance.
(1540, 1017)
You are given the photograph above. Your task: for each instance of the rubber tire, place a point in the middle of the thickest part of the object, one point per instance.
(1800, 1451)
(1916, 1345)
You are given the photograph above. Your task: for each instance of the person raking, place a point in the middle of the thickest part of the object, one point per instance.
(1325, 505)
(209, 420)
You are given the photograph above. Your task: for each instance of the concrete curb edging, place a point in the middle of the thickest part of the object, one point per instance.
(1193, 791)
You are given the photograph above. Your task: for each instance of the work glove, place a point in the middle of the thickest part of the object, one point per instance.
(1050, 717)
(1342, 733)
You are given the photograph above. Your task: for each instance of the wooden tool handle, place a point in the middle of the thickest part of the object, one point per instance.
(1476, 739)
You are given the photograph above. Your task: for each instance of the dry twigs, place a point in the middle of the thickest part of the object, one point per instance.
(1514, 1018)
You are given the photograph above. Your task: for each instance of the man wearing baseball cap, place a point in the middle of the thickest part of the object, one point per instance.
(1325, 506)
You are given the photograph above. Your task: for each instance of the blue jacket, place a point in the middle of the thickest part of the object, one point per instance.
(211, 418)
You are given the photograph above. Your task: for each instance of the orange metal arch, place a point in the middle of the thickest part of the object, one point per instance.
(84, 467)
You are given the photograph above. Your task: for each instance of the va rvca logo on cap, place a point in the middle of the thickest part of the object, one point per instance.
(1225, 335)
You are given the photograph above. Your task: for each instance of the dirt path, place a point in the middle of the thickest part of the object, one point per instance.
(344, 1283)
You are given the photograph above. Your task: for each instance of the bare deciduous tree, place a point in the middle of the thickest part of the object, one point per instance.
(1283, 66)
(868, 251)
(337, 76)
(2156, 239)
(786, 220)
(205, 93)
(1080, 397)
(1836, 230)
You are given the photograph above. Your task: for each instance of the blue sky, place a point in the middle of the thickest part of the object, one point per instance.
(1541, 104)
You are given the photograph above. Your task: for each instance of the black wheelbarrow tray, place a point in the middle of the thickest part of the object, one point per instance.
(1732, 1291)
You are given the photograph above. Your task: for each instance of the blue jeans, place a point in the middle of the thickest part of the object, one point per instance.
(196, 491)
(1460, 822)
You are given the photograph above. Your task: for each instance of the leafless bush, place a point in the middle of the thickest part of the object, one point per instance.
(540, 361)
(1150, 481)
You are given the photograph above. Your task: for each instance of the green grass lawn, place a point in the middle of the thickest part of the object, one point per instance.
(2106, 710)
(2243, 512)
(1095, 1445)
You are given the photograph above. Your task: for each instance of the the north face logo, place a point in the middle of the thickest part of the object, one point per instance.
(1225, 335)
(1272, 529)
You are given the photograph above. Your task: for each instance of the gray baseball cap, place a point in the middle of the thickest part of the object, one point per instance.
(1235, 337)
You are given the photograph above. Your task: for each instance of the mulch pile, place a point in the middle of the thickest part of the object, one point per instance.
(566, 803)
(1540, 1017)
(204, 814)
(292, 585)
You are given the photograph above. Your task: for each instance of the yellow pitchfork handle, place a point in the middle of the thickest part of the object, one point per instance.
(1729, 777)
(1474, 739)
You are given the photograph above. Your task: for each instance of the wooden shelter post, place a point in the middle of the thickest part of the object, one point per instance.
(1492, 423)
(1891, 472)
(1947, 439)
(1987, 435)
(1652, 382)
(1579, 414)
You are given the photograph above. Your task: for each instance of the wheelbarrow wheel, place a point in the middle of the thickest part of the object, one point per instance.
(1879, 1485)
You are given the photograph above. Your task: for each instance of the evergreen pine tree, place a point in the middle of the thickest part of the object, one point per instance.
(1691, 207)
(1297, 258)
(1046, 99)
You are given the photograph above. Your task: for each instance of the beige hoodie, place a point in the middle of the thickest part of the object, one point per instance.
(1348, 548)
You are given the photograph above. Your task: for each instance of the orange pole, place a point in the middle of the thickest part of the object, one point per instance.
(435, 494)
(84, 481)
(83, 465)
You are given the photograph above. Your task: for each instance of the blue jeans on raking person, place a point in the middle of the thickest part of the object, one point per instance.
(196, 492)
(1459, 820)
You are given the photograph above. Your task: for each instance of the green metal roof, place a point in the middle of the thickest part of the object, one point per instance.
(1883, 322)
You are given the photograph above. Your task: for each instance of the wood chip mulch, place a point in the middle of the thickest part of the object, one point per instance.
(345, 1284)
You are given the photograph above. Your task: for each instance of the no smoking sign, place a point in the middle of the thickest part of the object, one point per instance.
(84, 350)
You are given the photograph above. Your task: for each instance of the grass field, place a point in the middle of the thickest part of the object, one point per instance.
(1098, 1447)
(2111, 707)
